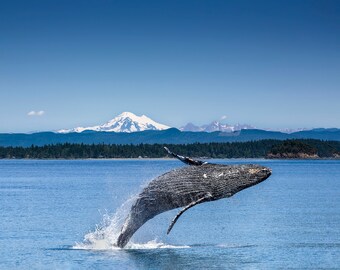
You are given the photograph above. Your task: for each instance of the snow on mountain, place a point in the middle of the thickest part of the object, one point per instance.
(128, 122)
(218, 126)
(215, 126)
(125, 122)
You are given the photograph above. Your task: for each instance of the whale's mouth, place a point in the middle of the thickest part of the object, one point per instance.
(268, 171)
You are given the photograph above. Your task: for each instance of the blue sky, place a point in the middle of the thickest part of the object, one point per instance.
(267, 63)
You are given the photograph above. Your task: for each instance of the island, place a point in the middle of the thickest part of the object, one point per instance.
(271, 149)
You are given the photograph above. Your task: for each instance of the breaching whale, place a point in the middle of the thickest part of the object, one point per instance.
(187, 187)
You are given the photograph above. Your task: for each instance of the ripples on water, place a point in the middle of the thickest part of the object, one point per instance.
(49, 210)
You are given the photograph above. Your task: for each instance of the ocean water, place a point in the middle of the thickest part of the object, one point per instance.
(61, 214)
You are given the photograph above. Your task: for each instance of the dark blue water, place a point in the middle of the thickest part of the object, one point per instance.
(291, 220)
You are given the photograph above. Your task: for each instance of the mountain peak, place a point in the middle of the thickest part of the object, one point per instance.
(127, 114)
(124, 122)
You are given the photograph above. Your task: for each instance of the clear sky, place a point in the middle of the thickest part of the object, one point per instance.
(272, 64)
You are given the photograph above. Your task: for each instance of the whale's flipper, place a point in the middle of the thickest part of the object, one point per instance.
(204, 199)
(186, 160)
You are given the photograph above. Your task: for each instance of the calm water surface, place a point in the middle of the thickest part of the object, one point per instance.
(291, 220)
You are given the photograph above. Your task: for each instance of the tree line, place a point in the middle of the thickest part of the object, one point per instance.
(251, 149)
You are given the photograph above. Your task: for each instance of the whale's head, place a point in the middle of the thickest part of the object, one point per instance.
(230, 179)
(251, 175)
(256, 174)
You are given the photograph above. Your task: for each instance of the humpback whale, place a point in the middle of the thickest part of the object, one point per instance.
(186, 187)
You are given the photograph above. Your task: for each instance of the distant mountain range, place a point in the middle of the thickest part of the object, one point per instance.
(128, 128)
(168, 136)
(125, 122)
(215, 126)
(129, 122)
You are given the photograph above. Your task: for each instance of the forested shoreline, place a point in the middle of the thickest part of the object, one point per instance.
(252, 149)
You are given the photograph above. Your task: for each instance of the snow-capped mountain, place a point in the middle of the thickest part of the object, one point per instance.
(215, 126)
(128, 122)
(125, 122)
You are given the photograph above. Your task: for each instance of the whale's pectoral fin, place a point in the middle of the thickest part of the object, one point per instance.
(186, 160)
(203, 199)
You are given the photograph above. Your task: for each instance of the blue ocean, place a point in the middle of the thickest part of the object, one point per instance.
(66, 214)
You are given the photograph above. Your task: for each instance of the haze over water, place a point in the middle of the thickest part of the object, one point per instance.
(291, 220)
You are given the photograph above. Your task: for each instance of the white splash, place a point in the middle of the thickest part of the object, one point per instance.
(153, 244)
(105, 236)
